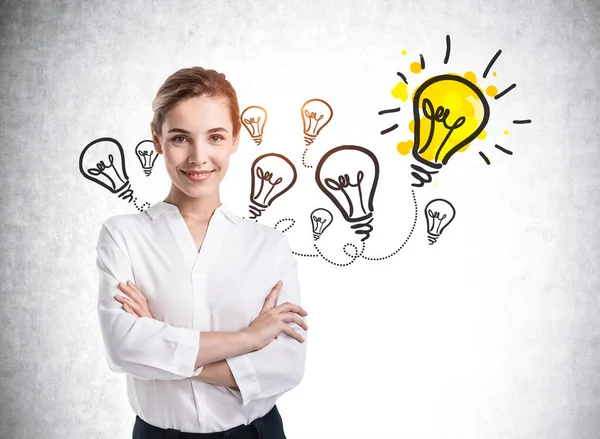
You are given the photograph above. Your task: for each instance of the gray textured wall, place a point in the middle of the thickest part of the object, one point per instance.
(74, 71)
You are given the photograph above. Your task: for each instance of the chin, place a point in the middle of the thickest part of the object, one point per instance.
(199, 191)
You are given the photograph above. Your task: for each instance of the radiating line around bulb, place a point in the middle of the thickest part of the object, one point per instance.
(503, 92)
(447, 57)
(503, 150)
(392, 128)
(491, 63)
(391, 110)
(484, 157)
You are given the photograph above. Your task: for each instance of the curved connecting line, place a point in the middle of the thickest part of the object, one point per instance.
(407, 238)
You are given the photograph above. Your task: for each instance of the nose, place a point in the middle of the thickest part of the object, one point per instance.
(198, 153)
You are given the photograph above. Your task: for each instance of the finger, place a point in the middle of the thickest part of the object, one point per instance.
(130, 303)
(137, 290)
(129, 310)
(287, 307)
(131, 292)
(289, 331)
(128, 291)
(271, 299)
(291, 317)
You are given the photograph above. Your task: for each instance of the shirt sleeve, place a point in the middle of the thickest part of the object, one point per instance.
(142, 347)
(279, 366)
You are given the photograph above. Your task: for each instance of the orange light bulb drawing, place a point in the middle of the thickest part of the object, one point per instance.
(316, 113)
(254, 119)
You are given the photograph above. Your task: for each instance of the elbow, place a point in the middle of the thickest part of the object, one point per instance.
(114, 364)
(117, 328)
(117, 361)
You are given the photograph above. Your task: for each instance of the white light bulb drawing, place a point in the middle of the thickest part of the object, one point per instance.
(103, 162)
(254, 119)
(272, 176)
(439, 214)
(316, 113)
(348, 175)
(147, 155)
(320, 219)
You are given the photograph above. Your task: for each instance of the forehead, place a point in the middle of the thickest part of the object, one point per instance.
(200, 113)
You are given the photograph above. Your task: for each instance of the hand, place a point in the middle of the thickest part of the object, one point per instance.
(272, 320)
(136, 304)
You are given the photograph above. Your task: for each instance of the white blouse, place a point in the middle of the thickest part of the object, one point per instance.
(220, 288)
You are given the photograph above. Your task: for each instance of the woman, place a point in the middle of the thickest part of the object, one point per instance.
(208, 337)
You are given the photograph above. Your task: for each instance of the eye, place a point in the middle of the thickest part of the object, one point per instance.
(178, 137)
(216, 138)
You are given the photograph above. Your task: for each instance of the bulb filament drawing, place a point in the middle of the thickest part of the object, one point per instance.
(316, 114)
(146, 154)
(320, 219)
(272, 176)
(103, 162)
(449, 113)
(348, 175)
(254, 119)
(439, 214)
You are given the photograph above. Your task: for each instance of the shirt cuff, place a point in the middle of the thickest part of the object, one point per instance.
(186, 352)
(245, 377)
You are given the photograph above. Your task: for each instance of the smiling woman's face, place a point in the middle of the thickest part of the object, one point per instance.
(197, 136)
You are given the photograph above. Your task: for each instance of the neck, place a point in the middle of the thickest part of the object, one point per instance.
(199, 209)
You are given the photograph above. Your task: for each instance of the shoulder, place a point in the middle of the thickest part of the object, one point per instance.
(266, 235)
(116, 228)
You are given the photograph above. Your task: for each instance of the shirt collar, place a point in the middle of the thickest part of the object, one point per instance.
(157, 209)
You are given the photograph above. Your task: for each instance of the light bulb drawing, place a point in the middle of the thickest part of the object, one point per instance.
(254, 119)
(316, 114)
(320, 219)
(272, 176)
(348, 175)
(103, 162)
(449, 111)
(147, 155)
(439, 214)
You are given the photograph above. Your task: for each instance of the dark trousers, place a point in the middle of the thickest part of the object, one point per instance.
(269, 426)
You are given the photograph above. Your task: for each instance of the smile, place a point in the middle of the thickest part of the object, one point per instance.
(198, 176)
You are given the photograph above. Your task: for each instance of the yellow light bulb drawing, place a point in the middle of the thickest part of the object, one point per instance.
(449, 113)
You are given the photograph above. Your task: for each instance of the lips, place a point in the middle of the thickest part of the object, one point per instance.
(197, 173)
(198, 176)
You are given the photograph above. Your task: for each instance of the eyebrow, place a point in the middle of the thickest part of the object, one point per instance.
(211, 130)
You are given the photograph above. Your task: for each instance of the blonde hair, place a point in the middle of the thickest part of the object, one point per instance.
(192, 82)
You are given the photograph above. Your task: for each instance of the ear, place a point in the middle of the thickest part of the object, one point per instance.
(156, 142)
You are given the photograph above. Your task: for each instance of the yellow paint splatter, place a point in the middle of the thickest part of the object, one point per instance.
(470, 76)
(491, 90)
(482, 135)
(411, 126)
(404, 52)
(506, 132)
(404, 148)
(400, 91)
(494, 73)
(415, 67)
